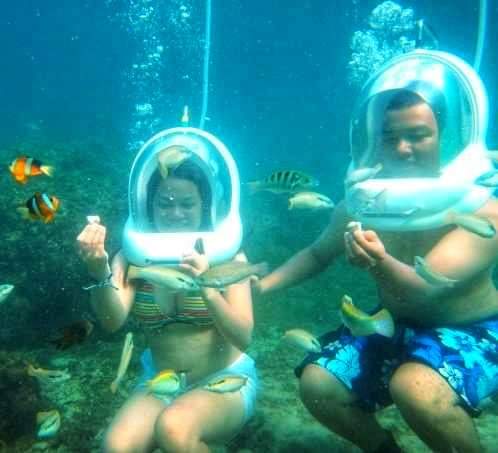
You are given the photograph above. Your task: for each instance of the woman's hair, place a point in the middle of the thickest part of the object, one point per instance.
(188, 171)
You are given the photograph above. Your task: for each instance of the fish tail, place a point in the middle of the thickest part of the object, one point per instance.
(384, 323)
(48, 170)
(132, 272)
(450, 217)
(262, 269)
(252, 186)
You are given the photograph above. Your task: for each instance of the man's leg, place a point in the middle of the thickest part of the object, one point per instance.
(332, 404)
(429, 406)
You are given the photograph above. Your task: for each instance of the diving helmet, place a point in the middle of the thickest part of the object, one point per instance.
(457, 98)
(220, 230)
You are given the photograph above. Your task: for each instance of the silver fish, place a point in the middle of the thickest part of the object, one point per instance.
(229, 273)
(163, 276)
(488, 179)
(434, 278)
(5, 290)
(362, 174)
(477, 225)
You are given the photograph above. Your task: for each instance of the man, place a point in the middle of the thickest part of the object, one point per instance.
(443, 358)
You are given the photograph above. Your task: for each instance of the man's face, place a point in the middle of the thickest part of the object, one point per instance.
(410, 142)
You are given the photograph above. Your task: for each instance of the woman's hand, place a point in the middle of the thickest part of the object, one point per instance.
(364, 248)
(194, 264)
(92, 251)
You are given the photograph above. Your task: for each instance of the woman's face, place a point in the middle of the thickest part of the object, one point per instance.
(177, 205)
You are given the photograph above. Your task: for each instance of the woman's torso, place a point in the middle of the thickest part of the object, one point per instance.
(181, 333)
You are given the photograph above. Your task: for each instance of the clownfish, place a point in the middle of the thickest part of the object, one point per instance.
(40, 207)
(24, 166)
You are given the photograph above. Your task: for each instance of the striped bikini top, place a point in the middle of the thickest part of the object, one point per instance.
(148, 313)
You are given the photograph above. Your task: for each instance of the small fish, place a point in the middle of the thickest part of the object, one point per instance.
(434, 278)
(284, 181)
(72, 334)
(488, 179)
(225, 384)
(310, 200)
(40, 207)
(362, 324)
(477, 225)
(362, 174)
(171, 157)
(426, 36)
(47, 376)
(185, 120)
(165, 383)
(226, 274)
(48, 423)
(5, 290)
(492, 155)
(24, 167)
(162, 276)
(302, 339)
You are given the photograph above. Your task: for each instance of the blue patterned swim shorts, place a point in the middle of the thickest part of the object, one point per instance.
(465, 356)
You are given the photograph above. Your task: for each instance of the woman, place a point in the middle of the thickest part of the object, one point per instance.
(201, 334)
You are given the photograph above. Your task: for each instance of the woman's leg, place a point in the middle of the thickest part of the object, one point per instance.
(132, 429)
(197, 418)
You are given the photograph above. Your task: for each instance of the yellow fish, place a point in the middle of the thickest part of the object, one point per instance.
(362, 324)
(165, 383)
(172, 157)
(226, 384)
(302, 339)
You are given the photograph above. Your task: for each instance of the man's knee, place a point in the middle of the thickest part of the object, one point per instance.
(317, 387)
(418, 387)
(171, 431)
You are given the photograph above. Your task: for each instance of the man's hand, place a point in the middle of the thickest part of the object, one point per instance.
(363, 248)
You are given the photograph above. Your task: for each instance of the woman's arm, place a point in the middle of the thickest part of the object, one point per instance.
(311, 260)
(231, 310)
(111, 305)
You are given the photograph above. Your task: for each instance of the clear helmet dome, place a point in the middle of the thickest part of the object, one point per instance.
(455, 96)
(153, 233)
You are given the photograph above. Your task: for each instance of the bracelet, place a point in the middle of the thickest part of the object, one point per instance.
(106, 283)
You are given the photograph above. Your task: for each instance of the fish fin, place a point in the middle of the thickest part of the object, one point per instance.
(48, 170)
(21, 180)
(48, 219)
(163, 170)
(384, 323)
(24, 212)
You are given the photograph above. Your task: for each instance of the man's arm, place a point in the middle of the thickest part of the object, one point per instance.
(459, 255)
(311, 260)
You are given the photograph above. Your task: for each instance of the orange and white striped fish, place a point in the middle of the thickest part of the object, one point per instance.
(23, 167)
(40, 207)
